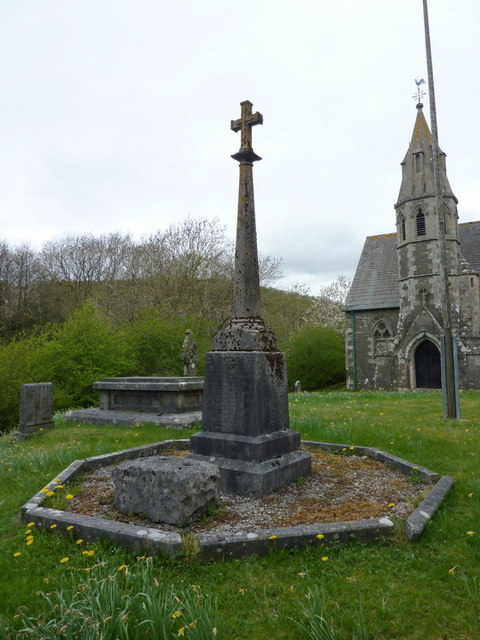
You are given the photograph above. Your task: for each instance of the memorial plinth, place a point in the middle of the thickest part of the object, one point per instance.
(246, 431)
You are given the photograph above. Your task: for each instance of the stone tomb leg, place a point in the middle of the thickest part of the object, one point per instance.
(245, 420)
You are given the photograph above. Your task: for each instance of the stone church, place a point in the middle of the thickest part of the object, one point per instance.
(394, 307)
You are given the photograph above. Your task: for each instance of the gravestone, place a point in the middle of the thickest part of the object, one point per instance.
(36, 408)
(189, 355)
(165, 488)
(246, 430)
(298, 386)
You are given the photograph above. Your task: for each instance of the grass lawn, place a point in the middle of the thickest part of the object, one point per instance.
(52, 587)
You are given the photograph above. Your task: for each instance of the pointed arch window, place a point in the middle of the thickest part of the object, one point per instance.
(381, 331)
(444, 220)
(418, 161)
(382, 339)
(420, 220)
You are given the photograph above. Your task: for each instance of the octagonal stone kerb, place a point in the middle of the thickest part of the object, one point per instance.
(152, 540)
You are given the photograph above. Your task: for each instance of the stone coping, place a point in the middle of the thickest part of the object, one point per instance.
(150, 384)
(210, 546)
(106, 417)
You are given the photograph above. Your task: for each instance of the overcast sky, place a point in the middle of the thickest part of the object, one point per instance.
(115, 116)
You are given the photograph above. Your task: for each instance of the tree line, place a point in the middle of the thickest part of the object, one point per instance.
(85, 306)
(183, 270)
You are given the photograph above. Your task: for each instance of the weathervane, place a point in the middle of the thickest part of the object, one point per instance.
(419, 94)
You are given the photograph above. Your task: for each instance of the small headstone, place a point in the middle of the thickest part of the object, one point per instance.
(189, 355)
(167, 489)
(36, 408)
(298, 386)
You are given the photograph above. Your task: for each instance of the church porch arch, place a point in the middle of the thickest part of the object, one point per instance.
(423, 355)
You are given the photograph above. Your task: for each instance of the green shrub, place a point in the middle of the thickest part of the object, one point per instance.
(82, 350)
(316, 357)
(154, 344)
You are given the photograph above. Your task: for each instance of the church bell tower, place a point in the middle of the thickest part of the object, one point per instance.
(419, 255)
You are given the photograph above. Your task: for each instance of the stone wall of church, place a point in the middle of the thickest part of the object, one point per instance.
(369, 349)
(469, 362)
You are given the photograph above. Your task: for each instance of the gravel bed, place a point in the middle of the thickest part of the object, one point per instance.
(340, 488)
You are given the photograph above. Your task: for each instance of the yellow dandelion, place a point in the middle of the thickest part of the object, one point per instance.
(69, 496)
(351, 448)
(49, 494)
(31, 524)
(16, 554)
(272, 537)
(392, 504)
(44, 490)
(453, 569)
(70, 527)
(90, 552)
(177, 614)
(57, 480)
(59, 486)
(121, 567)
(470, 533)
(52, 526)
(324, 558)
(64, 560)
(242, 591)
(30, 537)
(470, 495)
(320, 536)
(79, 541)
(28, 542)
(28, 531)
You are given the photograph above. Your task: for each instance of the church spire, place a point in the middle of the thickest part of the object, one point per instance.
(417, 166)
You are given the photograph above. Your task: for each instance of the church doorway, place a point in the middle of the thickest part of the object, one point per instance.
(427, 366)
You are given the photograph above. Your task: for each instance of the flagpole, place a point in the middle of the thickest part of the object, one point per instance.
(449, 382)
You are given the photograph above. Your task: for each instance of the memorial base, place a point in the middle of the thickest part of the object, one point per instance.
(259, 479)
(246, 430)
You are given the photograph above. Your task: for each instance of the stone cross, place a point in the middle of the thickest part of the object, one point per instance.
(424, 293)
(244, 124)
(189, 355)
(245, 423)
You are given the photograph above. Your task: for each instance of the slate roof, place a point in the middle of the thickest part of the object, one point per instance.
(375, 284)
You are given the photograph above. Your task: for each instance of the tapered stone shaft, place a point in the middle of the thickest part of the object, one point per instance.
(245, 430)
(246, 284)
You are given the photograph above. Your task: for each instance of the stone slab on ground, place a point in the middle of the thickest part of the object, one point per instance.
(167, 489)
(417, 522)
(264, 540)
(100, 417)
